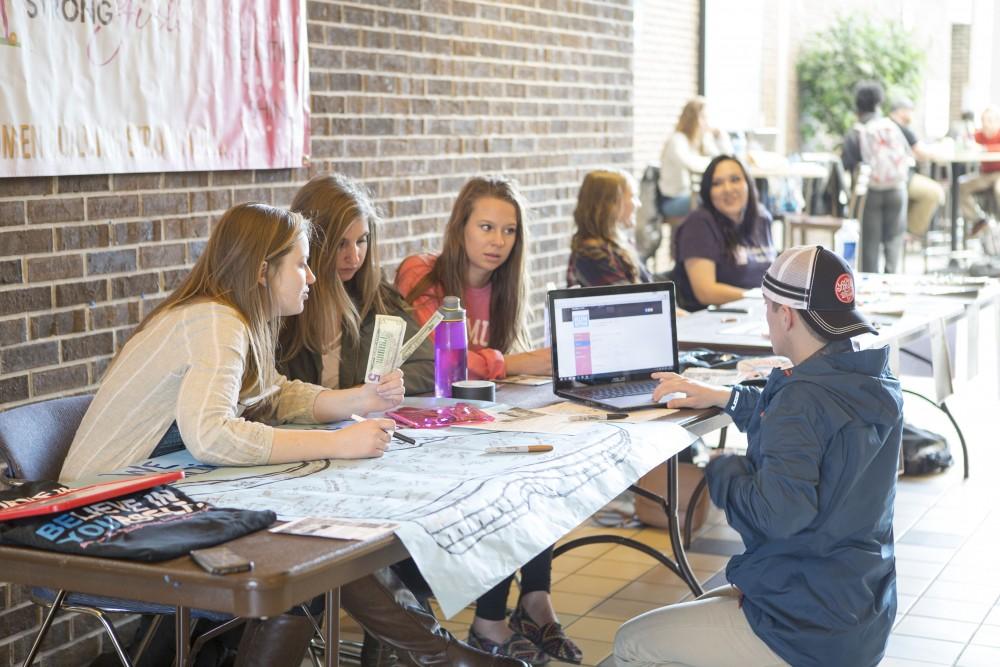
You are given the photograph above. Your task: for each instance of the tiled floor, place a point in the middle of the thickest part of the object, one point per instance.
(948, 556)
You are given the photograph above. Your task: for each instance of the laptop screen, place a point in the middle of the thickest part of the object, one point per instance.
(607, 333)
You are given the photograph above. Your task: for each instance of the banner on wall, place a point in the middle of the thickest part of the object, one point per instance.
(113, 86)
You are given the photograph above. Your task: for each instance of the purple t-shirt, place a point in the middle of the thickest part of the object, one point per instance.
(701, 235)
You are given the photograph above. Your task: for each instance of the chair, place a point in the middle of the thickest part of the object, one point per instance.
(673, 222)
(34, 441)
(648, 232)
(35, 438)
(803, 224)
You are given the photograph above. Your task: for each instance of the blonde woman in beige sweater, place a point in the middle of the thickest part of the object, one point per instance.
(199, 373)
(203, 360)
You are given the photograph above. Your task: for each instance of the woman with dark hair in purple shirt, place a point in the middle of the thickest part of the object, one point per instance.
(723, 247)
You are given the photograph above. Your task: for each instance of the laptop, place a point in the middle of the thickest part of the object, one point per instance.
(607, 340)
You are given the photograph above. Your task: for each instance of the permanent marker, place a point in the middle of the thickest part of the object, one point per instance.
(399, 436)
(594, 418)
(723, 309)
(518, 449)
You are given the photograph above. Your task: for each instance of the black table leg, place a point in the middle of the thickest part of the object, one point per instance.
(680, 555)
(957, 169)
(679, 563)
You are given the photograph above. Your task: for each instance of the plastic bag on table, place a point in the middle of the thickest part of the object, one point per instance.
(460, 413)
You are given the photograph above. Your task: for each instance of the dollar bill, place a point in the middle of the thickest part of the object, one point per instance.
(410, 346)
(386, 343)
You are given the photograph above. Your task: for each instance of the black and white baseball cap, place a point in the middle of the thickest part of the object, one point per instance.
(819, 283)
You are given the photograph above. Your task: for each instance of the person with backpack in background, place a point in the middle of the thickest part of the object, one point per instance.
(878, 142)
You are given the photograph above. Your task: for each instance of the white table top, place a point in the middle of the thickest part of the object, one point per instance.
(962, 157)
(747, 332)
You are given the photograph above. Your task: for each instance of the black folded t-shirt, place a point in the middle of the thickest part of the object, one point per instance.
(151, 525)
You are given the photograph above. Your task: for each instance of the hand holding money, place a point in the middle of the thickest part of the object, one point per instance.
(388, 351)
(410, 346)
(387, 341)
(384, 395)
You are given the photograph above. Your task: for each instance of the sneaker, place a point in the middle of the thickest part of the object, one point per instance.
(518, 646)
(550, 637)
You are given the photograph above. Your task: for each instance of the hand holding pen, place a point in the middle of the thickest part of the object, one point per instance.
(392, 432)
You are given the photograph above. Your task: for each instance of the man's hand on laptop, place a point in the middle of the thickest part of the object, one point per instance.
(691, 394)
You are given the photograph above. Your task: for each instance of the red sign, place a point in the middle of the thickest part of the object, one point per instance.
(844, 288)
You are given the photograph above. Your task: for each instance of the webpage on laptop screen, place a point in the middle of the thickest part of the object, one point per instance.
(613, 334)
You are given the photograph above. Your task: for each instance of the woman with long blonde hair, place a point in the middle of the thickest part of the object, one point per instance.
(483, 261)
(600, 254)
(693, 143)
(202, 363)
(329, 343)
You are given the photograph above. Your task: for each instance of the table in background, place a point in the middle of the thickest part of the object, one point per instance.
(956, 162)
(973, 294)
(923, 316)
(746, 333)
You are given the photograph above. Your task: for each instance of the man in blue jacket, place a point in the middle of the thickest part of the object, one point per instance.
(812, 499)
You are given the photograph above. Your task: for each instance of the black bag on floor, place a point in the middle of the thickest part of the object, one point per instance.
(924, 451)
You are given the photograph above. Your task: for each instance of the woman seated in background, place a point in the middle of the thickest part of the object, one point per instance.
(693, 143)
(723, 247)
(599, 252)
(483, 261)
(199, 373)
(329, 343)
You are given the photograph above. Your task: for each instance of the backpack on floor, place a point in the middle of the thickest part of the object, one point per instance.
(924, 451)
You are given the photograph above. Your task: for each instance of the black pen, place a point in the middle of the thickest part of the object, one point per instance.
(723, 309)
(594, 418)
(399, 436)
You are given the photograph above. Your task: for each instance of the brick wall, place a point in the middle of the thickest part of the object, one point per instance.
(411, 96)
(666, 71)
(412, 99)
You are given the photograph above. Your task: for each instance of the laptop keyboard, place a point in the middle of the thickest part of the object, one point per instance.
(618, 389)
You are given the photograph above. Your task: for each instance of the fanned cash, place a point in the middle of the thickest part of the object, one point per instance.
(385, 349)
(410, 346)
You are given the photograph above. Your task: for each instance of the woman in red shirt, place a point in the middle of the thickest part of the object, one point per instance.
(483, 262)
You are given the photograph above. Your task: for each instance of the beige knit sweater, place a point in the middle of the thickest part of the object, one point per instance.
(185, 366)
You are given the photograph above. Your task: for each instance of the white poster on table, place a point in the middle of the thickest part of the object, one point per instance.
(468, 518)
(116, 86)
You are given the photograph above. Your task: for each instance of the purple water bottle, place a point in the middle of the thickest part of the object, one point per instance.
(450, 347)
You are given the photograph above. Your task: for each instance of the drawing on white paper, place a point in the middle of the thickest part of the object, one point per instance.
(457, 508)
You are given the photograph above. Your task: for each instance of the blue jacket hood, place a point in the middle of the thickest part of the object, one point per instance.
(859, 382)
